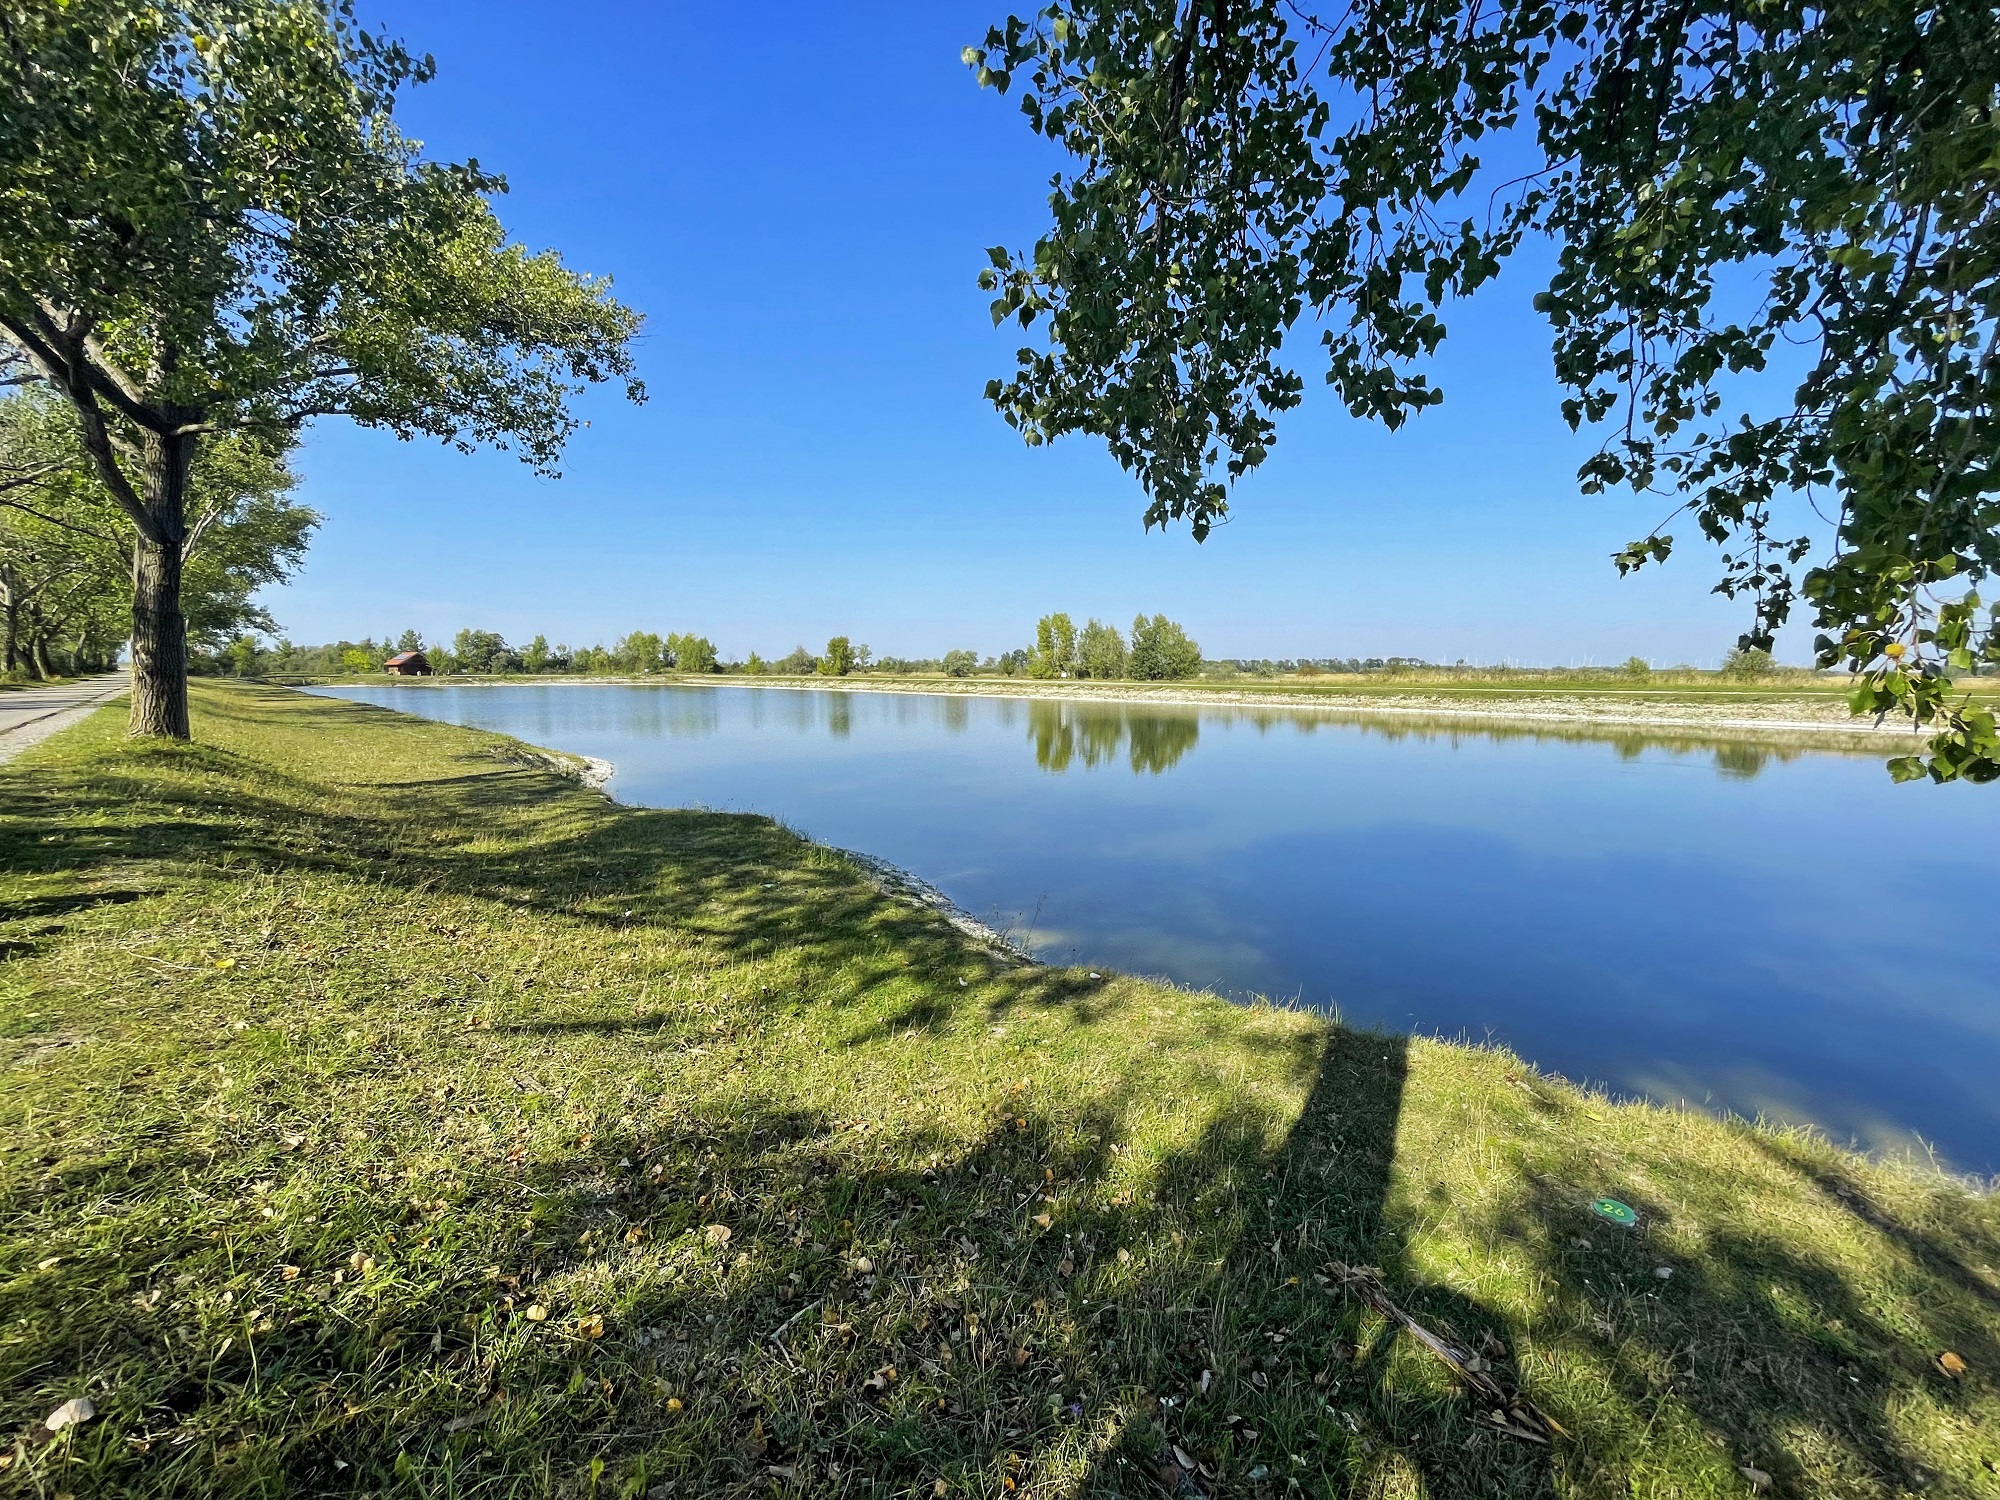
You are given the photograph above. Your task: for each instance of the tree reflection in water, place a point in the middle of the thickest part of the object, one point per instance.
(1154, 739)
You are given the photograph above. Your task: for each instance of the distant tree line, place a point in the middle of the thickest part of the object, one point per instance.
(1157, 650)
(478, 652)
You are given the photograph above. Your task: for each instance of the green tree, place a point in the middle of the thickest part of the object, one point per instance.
(1747, 662)
(213, 226)
(411, 640)
(800, 663)
(691, 653)
(240, 658)
(354, 659)
(1055, 647)
(959, 663)
(754, 667)
(641, 652)
(1718, 183)
(839, 658)
(1637, 667)
(1100, 652)
(481, 651)
(536, 657)
(1161, 651)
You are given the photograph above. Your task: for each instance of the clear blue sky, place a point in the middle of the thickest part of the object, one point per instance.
(798, 197)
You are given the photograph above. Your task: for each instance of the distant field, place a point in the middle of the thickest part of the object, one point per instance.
(1488, 682)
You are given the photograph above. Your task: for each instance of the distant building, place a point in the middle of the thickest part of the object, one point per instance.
(408, 664)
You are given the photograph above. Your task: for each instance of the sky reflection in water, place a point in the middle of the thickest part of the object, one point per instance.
(1758, 930)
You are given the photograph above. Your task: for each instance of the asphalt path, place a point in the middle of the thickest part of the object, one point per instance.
(31, 714)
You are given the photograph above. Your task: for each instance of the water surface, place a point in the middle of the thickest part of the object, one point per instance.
(1785, 933)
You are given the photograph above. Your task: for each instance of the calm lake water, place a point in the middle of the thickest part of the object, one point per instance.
(1785, 933)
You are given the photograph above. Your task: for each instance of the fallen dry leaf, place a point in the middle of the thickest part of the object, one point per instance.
(1951, 1364)
(673, 1403)
(881, 1380)
(538, 1313)
(591, 1327)
(718, 1234)
(289, 1273)
(1043, 1221)
(70, 1413)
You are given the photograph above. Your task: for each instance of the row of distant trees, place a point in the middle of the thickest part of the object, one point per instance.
(484, 652)
(1157, 650)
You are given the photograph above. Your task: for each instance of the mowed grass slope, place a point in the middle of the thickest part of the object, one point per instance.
(385, 1114)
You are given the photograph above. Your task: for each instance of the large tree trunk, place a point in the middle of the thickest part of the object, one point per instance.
(159, 630)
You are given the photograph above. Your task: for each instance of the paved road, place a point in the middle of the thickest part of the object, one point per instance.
(31, 714)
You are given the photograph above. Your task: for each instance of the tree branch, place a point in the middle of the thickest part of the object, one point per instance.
(39, 515)
(34, 338)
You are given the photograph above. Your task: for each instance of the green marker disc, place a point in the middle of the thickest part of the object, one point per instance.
(1621, 1214)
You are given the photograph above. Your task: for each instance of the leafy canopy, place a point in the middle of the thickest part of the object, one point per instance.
(1161, 651)
(1055, 647)
(209, 221)
(1245, 165)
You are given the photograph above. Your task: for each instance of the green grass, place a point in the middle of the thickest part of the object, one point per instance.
(338, 1045)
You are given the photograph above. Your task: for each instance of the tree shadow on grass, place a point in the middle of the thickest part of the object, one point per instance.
(739, 884)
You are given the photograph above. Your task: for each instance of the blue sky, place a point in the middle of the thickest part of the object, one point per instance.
(799, 198)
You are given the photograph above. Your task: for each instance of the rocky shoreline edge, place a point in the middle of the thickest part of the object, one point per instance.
(895, 881)
(890, 879)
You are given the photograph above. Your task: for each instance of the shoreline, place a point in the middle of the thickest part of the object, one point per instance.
(897, 883)
(1814, 722)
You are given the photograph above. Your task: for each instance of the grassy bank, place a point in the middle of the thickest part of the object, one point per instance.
(1472, 684)
(386, 1114)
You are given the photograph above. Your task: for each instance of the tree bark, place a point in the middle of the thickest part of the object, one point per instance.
(12, 608)
(159, 630)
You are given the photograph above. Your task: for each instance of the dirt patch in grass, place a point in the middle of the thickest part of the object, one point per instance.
(385, 1113)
